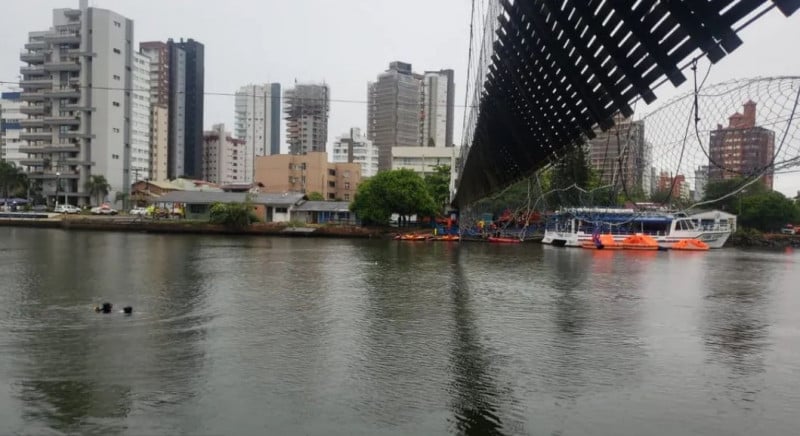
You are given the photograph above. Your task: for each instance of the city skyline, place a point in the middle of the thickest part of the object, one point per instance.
(266, 56)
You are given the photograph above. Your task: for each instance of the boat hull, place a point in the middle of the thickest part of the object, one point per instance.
(714, 239)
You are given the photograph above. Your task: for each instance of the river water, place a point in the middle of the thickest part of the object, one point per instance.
(234, 335)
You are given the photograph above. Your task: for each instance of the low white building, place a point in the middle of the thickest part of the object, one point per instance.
(423, 160)
(224, 157)
(354, 147)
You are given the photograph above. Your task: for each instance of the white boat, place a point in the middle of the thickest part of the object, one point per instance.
(573, 227)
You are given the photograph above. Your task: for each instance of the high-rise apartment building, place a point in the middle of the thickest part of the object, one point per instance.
(438, 108)
(619, 156)
(10, 128)
(354, 147)
(223, 157)
(700, 182)
(140, 119)
(307, 107)
(258, 121)
(406, 109)
(178, 69)
(158, 53)
(742, 149)
(76, 84)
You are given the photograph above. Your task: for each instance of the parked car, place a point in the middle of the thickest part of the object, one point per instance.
(139, 211)
(789, 229)
(67, 208)
(104, 209)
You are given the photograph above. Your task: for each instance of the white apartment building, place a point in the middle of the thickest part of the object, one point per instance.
(224, 157)
(258, 122)
(438, 107)
(422, 160)
(140, 119)
(10, 128)
(79, 114)
(159, 142)
(354, 147)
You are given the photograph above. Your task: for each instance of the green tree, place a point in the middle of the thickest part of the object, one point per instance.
(315, 196)
(98, 187)
(768, 211)
(398, 191)
(571, 170)
(720, 188)
(439, 185)
(12, 179)
(234, 215)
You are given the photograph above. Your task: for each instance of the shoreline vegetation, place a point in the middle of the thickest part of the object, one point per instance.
(743, 238)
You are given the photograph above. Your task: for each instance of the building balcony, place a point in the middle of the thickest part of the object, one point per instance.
(62, 121)
(32, 162)
(63, 37)
(36, 84)
(32, 57)
(73, 13)
(32, 122)
(36, 136)
(32, 70)
(63, 93)
(32, 96)
(36, 45)
(32, 110)
(76, 134)
(50, 148)
(77, 52)
(51, 175)
(62, 66)
(77, 107)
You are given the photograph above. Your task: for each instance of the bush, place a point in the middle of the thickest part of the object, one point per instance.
(235, 215)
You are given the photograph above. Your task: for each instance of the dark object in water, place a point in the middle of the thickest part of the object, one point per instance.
(128, 309)
(105, 308)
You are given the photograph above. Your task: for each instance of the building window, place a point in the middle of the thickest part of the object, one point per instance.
(331, 172)
(331, 184)
(346, 197)
(331, 196)
(346, 174)
(116, 50)
(117, 24)
(281, 209)
(115, 130)
(116, 103)
(116, 77)
(347, 186)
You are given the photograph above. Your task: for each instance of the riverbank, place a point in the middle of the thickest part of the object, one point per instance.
(134, 224)
(754, 239)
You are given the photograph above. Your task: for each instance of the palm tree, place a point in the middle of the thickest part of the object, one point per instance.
(12, 179)
(98, 187)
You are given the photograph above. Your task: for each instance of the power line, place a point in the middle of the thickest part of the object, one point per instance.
(230, 94)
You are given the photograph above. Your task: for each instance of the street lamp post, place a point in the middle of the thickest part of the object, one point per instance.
(58, 183)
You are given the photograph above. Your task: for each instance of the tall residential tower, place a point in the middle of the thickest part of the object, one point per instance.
(307, 107)
(258, 121)
(80, 113)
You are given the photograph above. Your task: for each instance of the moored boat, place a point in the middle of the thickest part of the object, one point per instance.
(502, 240)
(574, 227)
(602, 242)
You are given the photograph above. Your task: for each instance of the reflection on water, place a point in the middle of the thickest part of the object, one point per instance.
(302, 336)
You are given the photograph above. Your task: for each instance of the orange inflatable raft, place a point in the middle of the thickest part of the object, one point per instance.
(690, 245)
(607, 242)
(640, 242)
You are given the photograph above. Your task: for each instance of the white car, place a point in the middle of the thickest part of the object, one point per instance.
(67, 208)
(138, 211)
(104, 210)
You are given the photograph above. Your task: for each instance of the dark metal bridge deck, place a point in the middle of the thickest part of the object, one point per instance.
(560, 68)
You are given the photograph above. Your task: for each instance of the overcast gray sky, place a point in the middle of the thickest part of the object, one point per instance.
(347, 43)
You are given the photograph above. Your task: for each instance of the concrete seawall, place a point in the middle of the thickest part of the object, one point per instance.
(123, 224)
